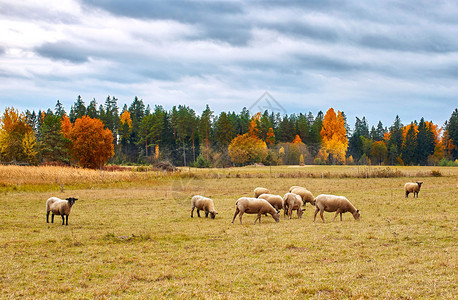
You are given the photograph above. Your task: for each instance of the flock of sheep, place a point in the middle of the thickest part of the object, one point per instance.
(262, 203)
(266, 203)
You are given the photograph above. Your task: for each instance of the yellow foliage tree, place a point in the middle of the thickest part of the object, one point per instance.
(334, 136)
(245, 149)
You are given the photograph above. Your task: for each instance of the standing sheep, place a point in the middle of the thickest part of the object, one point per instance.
(292, 202)
(331, 203)
(412, 187)
(305, 194)
(203, 203)
(275, 200)
(254, 206)
(59, 207)
(259, 191)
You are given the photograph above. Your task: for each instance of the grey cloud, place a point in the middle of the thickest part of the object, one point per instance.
(2, 50)
(37, 12)
(63, 50)
(219, 20)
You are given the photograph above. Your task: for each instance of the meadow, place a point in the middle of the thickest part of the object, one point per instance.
(130, 235)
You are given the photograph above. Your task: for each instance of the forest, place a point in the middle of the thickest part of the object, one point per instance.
(93, 135)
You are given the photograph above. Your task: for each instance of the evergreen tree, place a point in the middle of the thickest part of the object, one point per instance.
(91, 109)
(53, 145)
(59, 110)
(409, 147)
(395, 140)
(224, 131)
(425, 142)
(78, 110)
(315, 136)
(110, 116)
(303, 127)
(451, 135)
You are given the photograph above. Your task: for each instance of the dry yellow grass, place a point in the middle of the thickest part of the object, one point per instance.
(134, 238)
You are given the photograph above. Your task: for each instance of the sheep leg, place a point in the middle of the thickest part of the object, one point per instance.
(258, 218)
(66, 220)
(316, 211)
(63, 219)
(192, 211)
(52, 218)
(47, 217)
(198, 213)
(240, 216)
(407, 194)
(321, 215)
(290, 212)
(235, 214)
(340, 217)
(206, 214)
(337, 212)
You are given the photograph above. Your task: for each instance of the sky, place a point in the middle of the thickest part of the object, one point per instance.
(376, 59)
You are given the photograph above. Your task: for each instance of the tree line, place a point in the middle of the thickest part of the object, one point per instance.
(92, 135)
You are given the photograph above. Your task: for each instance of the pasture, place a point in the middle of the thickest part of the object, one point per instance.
(130, 235)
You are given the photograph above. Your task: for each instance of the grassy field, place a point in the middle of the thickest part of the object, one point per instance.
(131, 235)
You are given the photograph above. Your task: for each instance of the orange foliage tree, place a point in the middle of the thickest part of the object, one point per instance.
(334, 136)
(92, 145)
(245, 149)
(17, 141)
(270, 139)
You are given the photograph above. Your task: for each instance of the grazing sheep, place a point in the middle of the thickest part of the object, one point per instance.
(305, 194)
(59, 207)
(254, 206)
(292, 202)
(205, 204)
(275, 200)
(331, 203)
(293, 187)
(412, 187)
(259, 191)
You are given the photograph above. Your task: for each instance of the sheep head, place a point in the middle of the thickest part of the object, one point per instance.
(419, 183)
(276, 216)
(356, 214)
(71, 200)
(213, 214)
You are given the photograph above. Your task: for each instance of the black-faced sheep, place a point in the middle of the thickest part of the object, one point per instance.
(338, 204)
(254, 206)
(292, 202)
(412, 187)
(203, 203)
(59, 207)
(305, 194)
(259, 191)
(275, 200)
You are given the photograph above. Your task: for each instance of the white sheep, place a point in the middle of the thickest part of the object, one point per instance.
(59, 207)
(292, 202)
(275, 200)
(305, 194)
(412, 187)
(259, 191)
(203, 203)
(331, 203)
(293, 187)
(254, 206)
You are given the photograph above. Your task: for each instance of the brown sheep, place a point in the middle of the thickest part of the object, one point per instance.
(203, 203)
(259, 191)
(305, 194)
(59, 207)
(412, 187)
(254, 206)
(292, 202)
(331, 203)
(275, 200)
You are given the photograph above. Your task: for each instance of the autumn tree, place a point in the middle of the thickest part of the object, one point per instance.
(126, 128)
(379, 152)
(334, 136)
(92, 144)
(270, 138)
(245, 149)
(13, 130)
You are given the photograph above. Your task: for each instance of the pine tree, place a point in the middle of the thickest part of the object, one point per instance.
(53, 145)
(409, 147)
(78, 110)
(91, 109)
(395, 140)
(59, 110)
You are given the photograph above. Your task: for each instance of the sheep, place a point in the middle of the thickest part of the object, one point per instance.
(254, 206)
(305, 194)
(331, 203)
(259, 191)
(275, 200)
(59, 207)
(293, 187)
(411, 187)
(292, 202)
(205, 204)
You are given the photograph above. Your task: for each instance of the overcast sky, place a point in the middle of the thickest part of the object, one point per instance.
(373, 58)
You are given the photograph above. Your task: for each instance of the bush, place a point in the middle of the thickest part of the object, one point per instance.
(201, 162)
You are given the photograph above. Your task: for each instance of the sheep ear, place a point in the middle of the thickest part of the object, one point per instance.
(357, 210)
